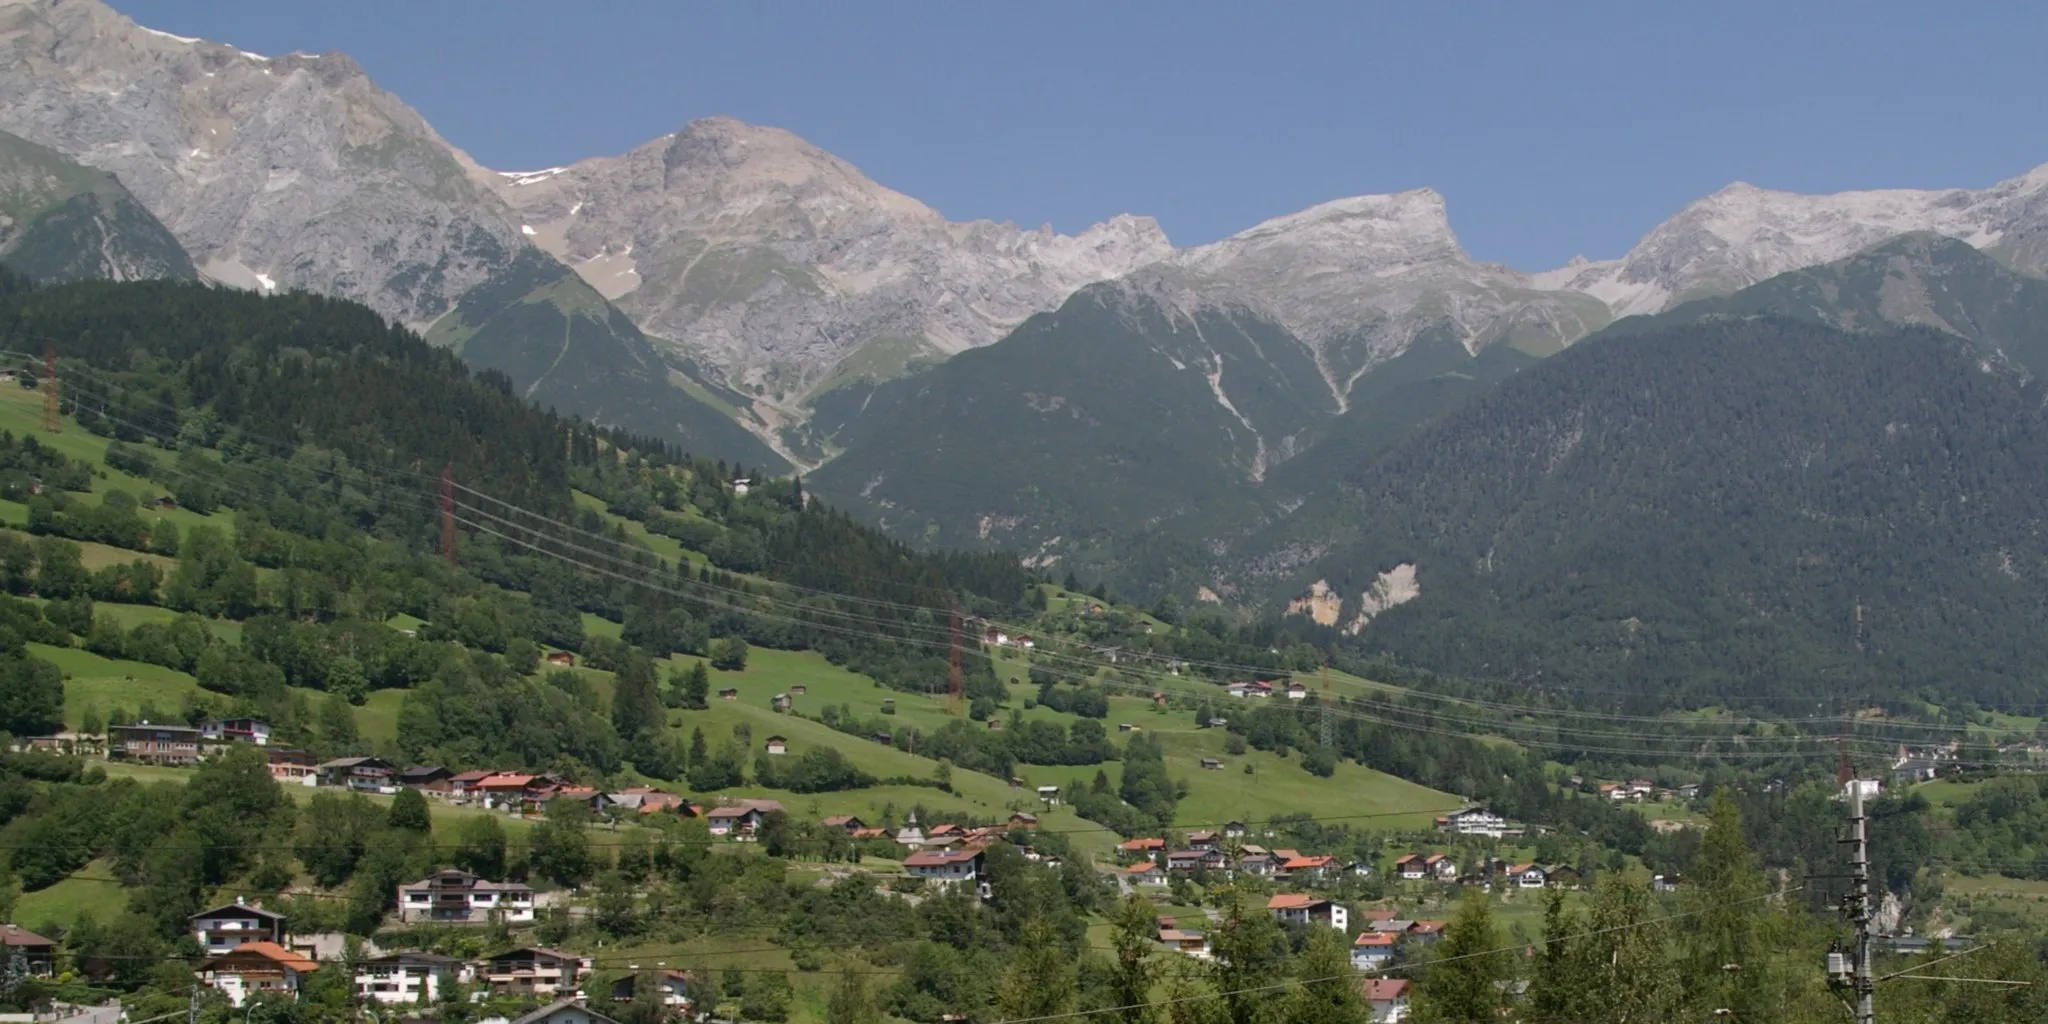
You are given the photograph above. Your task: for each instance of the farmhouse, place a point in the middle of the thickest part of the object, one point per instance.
(1294, 906)
(459, 897)
(256, 968)
(224, 928)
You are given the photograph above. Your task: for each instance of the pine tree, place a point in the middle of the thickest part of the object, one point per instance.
(1250, 953)
(1459, 987)
(851, 1003)
(409, 812)
(1040, 981)
(636, 697)
(1135, 927)
(697, 688)
(1328, 993)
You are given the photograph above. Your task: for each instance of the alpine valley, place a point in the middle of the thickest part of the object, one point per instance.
(1174, 421)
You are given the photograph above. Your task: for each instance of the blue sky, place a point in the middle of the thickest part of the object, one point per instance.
(1552, 129)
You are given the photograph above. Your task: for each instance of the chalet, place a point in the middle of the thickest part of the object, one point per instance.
(1233, 830)
(1411, 867)
(1689, 791)
(869, 833)
(781, 702)
(943, 833)
(1666, 883)
(1214, 764)
(506, 791)
(1203, 840)
(154, 744)
(1371, 950)
(1257, 860)
(729, 693)
(466, 786)
(1425, 932)
(648, 800)
(1159, 699)
(675, 988)
(1049, 794)
(1386, 999)
(1310, 869)
(1024, 641)
(1908, 770)
(426, 778)
(799, 689)
(1185, 941)
(571, 1011)
(532, 972)
(253, 969)
(1440, 867)
(1528, 876)
(1305, 909)
(1561, 876)
(888, 705)
(995, 723)
(1126, 727)
(454, 896)
(364, 774)
(1473, 822)
(995, 638)
(777, 745)
(236, 730)
(1145, 872)
(846, 823)
(944, 867)
(292, 766)
(408, 978)
(1395, 926)
(742, 820)
(1259, 688)
(1184, 860)
(739, 487)
(1238, 689)
(224, 928)
(38, 954)
(1023, 819)
(1148, 848)
(561, 659)
(1296, 691)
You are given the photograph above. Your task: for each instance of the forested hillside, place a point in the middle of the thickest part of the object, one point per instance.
(1734, 509)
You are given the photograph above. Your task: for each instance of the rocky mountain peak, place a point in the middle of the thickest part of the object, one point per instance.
(1360, 233)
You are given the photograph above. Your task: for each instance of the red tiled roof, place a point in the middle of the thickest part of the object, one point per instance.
(1142, 844)
(939, 858)
(272, 952)
(1293, 901)
(506, 780)
(1375, 939)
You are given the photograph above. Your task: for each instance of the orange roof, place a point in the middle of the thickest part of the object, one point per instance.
(272, 952)
(1425, 927)
(1293, 901)
(1375, 939)
(1139, 869)
(506, 780)
(1299, 863)
(1142, 844)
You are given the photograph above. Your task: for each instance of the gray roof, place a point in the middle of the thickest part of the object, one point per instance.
(545, 1012)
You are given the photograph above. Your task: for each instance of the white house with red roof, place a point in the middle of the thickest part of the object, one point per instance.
(1306, 909)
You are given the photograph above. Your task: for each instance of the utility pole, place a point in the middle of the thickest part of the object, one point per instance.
(1864, 985)
(956, 687)
(1328, 730)
(448, 513)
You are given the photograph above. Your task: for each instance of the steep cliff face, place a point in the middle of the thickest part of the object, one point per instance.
(63, 221)
(785, 267)
(293, 171)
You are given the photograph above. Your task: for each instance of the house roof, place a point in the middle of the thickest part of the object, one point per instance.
(507, 780)
(1375, 939)
(1408, 859)
(238, 908)
(353, 762)
(435, 959)
(270, 951)
(1141, 868)
(840, 820)
(537, 951)
(1299, 863)
(1384, 990)
(477, 775)
(1425, 927)
(1294, 901)
(939, 858)
(16, 935)
(1142, 844)
(558, 1006)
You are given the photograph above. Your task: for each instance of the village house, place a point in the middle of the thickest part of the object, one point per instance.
(1023, 819)
(1257, 860)
(1529, 876)
(1307, 869)
(1185, 941)
(1185, 861)
(944, 868)
(66, 742)
(426, 778)
(463, 787)
(255, 968)
(532, 972)
(1296, 691)
(1233, 830)
(1214, 764)
(781, 702)
(1411, 868)
(1440, 867)
(846, 823)
(777, 745)
(741, 821)
(1910, 770)
(1371, 950)
(38, 954)
(1689, 791)
(453, 896)
(1148, 848)
(1049, 794)
(146, 743)
(363, 774)
(1472, 822)
(729, 693)
(224, 928)
(648, 800)
(1425, 932)
(1387, 998)
(561, 659)
(292, 766)
(568, 1011)
(408, 978)
(236, 730)
(1145, 873)
(1306, 909)
(675, 989)
(1203, 840)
